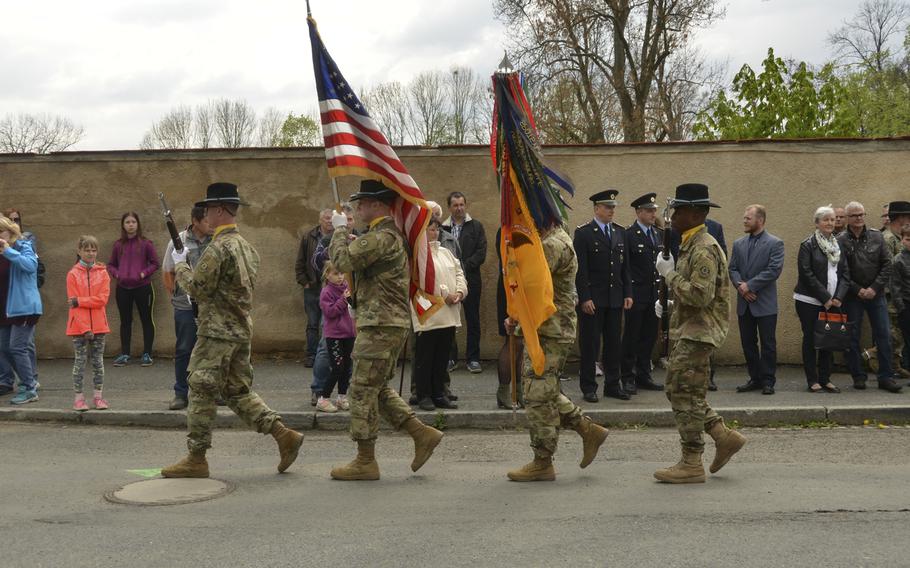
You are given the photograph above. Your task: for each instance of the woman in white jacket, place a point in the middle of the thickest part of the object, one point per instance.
(435, 335)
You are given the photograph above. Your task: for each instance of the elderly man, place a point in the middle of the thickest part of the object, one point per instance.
(312, 244)
(755, 266)
(870, 270)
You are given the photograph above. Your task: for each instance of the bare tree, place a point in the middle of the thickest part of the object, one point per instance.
(389, 107)
(465, 95)
(624, 42)
(866, 40)
(205, 124)
(429, 111)
(175, 130)
(270, 128)
(685, 83)
(38, 133)
(235, 123)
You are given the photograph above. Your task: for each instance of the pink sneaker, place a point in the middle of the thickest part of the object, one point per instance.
(79, 405)
(100, 403)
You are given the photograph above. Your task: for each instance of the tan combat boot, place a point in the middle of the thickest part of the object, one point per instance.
(540, 469)
(364, 466)
(289, 443)
(592, 436)
(689, 469)
(426, 438)
(726, 442)
(193, 465)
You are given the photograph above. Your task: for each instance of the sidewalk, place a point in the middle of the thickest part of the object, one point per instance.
(140, 396)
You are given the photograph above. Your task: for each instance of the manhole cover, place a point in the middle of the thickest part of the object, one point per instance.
(169, 491)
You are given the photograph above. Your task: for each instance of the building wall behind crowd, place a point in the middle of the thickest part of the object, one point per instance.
(65, 195)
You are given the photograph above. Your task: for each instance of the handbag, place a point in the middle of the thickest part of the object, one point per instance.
(832, 331)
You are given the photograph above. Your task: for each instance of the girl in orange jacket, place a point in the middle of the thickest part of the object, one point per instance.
(88, 287)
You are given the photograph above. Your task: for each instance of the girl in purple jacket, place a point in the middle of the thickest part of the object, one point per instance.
(132, 264)
(338, 329)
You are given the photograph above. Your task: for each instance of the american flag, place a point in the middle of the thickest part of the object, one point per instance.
(354, 145)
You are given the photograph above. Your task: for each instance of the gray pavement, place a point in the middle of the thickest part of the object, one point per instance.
(140, 396)
(833, 498)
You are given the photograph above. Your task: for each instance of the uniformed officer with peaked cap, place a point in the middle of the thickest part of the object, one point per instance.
(604, 290)
(645, 241)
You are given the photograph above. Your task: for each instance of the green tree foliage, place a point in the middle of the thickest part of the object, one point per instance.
(300, 130)
(782, 101)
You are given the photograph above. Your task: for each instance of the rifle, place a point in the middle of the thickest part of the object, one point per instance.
(665, 292)
(175, 238)
(171, 225)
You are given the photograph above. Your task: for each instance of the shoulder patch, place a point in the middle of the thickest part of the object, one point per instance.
(363, 242)
(704, 270)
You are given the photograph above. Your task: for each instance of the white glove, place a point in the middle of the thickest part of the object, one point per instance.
(178, 256)
(665, 265)
(339, 220)
(659, 310)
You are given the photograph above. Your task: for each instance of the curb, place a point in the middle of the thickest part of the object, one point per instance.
(471, 419)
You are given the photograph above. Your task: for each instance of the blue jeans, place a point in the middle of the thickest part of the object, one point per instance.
(881, 334)
(7, 378)
(185, 329)
(14, 345)
(321, 367)
(313, 319)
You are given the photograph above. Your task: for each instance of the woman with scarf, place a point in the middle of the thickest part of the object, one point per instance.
(822, 284)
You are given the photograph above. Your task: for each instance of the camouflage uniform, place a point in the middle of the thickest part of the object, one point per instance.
(379, 261)
(547, 408)
(893, 246)
(698, 325)
(82, 346)
(222, 284)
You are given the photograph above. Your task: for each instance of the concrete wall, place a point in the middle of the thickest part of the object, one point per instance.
(65, 195)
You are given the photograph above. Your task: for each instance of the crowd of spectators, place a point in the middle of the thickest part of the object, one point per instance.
(843, 266)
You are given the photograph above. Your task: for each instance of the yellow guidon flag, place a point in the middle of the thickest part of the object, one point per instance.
(526, 277)
(531, 202)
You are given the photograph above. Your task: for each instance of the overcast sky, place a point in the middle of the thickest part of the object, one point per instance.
(115, 66)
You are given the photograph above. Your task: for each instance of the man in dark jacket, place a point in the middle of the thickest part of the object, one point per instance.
(604, 285)
(312, 243)
(640, 331)
(870, 271)
(472, 241)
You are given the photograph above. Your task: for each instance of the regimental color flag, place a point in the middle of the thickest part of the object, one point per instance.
(531, 203)
(354, 145)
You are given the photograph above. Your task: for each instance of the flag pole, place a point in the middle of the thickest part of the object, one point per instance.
(308, 13)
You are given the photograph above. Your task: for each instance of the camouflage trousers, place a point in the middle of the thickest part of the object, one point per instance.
(546, 407)
(83, 348)
(686, 386)
(375, 356)
(219, 367)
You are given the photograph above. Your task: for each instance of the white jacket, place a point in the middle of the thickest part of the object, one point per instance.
(449, 274)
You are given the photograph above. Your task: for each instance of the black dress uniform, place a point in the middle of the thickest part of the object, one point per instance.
(603, 277)
(640, 330)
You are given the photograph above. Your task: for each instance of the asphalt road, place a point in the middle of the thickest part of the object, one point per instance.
(828, 498)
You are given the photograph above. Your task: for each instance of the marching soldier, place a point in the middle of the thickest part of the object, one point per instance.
(547, 408)
(604, 290)
(640, 329)
(700, 292)
(379, 261)
(222, 285)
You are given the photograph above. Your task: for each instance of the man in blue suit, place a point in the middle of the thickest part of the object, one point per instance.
(755, 266)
